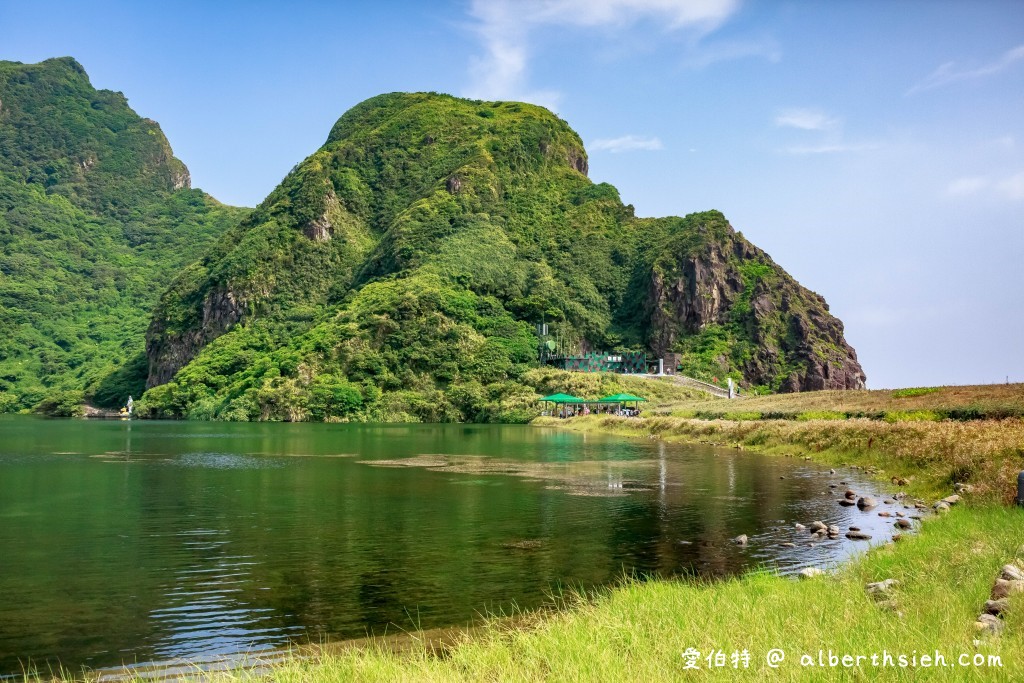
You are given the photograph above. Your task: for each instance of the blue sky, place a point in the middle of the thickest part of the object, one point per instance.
(874, 149)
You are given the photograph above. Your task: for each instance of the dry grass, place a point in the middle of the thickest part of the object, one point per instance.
(987, 401)
(986, 454)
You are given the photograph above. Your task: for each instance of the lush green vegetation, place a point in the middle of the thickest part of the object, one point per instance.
(398, 272)
(914, 391)
(95, 219)
(395, 274)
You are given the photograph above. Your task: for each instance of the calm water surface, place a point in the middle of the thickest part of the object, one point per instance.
(136, 542)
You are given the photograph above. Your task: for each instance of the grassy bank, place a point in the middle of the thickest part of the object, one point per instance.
(928, 404)
(639, 631)
(931, 456)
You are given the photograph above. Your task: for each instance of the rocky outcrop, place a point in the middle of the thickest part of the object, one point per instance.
(170, 350)
(710, 283)
(578, 160)
(181, 179)
(699, 291)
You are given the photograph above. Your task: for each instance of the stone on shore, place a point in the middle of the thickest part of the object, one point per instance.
(996, 607)
(881, 587)
(1003, 588)
(866, 502)
(858, 536)
(989, 623)
(1012, 573)
(904, 523)
(740, 540)
(810, 572)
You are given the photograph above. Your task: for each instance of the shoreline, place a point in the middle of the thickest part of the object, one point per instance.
(970, 543)
(639, 630)
(927, 459)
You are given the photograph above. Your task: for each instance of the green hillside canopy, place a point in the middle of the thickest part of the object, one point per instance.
(563, 398)
(621, 398)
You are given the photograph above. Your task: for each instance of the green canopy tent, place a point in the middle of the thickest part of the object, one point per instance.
(623, 399)
(561, 399)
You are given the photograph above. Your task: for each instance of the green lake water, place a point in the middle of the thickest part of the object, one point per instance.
(155, 542)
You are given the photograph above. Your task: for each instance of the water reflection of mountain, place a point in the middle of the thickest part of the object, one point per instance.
(199, 540)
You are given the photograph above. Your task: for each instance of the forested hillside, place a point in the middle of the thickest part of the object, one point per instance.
(397, 273)
(96, 218)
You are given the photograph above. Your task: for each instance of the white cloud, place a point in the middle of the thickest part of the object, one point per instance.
(806, 119)
(951, 73)
(825, 129)
(963, 187)
(832, 148)
(707, 53)
(504, 27)
(1012, 187)
(626, 143)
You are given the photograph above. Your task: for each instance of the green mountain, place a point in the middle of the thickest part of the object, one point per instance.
(398, 272)
(96, 218)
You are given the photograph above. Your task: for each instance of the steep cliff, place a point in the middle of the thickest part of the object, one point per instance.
(731, 310)
(397, 273)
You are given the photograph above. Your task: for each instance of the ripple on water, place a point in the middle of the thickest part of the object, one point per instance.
(226, 461)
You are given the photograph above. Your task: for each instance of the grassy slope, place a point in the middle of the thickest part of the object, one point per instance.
(985, 448)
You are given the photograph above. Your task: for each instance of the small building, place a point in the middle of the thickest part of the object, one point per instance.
(628, 362)
(672, 363)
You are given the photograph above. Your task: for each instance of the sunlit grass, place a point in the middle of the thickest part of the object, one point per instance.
(988, 401)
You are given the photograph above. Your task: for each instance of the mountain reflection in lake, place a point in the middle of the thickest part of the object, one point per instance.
(154, 541)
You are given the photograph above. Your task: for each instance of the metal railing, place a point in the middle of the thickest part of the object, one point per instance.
(714, 389)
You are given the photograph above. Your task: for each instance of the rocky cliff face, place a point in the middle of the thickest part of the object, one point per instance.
(709, 285)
